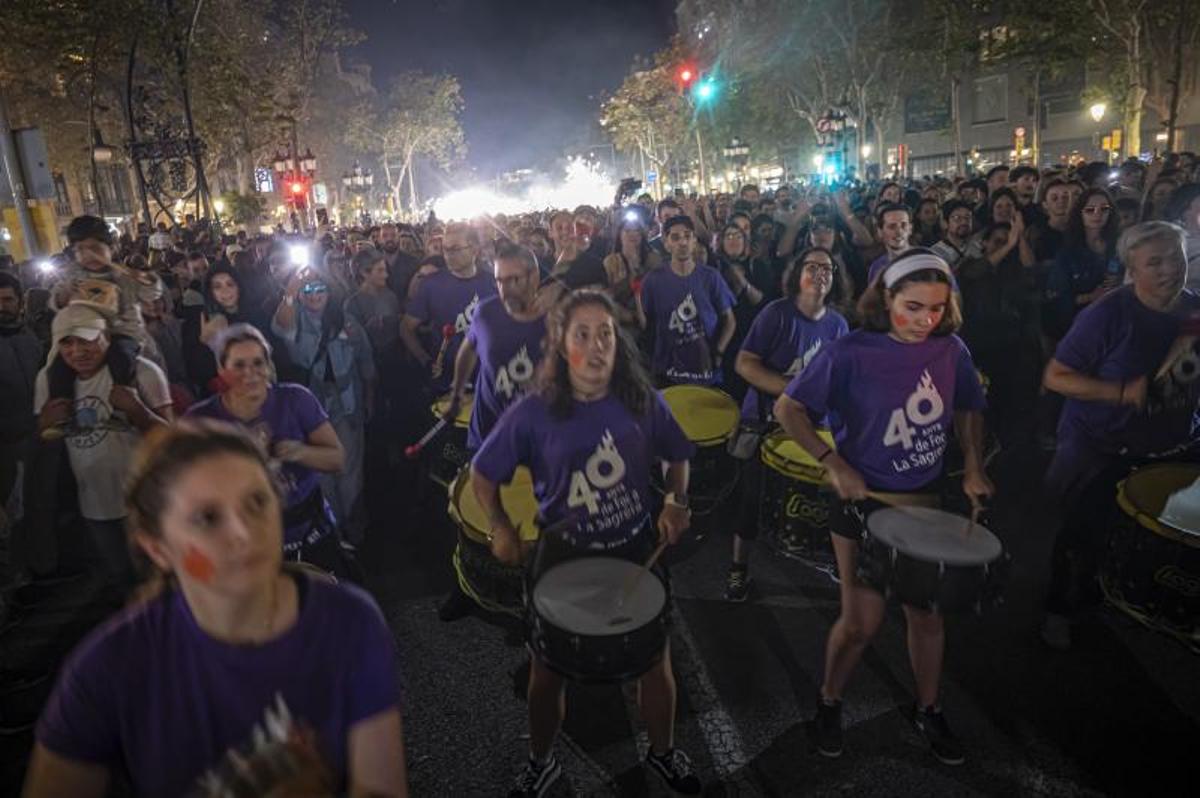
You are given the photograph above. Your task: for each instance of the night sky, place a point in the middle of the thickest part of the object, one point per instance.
(532, 71)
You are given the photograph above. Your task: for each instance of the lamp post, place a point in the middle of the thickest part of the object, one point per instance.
(295, 169)
(358, 182)
(739, 153)
(1096, 112)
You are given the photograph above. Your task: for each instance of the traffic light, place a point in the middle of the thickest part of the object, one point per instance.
(686, 75)
(705, 91)
(297, 187)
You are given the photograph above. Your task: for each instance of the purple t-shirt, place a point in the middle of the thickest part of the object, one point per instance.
(290, 413)
(509, 352)
(684, 313)
(1118, 338)
(593, 466)
(442, 299)
(890, 404)
(787, 341)
(151, 694)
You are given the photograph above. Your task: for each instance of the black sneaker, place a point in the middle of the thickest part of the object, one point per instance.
(932, 724)
(827, 728)
(675, 769)
(737, 584)
(456, 605)
(535, 779)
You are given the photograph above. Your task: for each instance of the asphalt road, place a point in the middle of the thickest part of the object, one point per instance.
(1119, 714)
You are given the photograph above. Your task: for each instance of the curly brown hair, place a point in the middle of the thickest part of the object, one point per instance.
(630, 384)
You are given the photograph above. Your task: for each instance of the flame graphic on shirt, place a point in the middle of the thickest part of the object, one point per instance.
(606, 467)
(925, 404)
(463, 320)
(801, 363)
(686, 311)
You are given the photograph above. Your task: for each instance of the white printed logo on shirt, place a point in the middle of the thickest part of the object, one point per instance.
(801, 363)
(463, 321)
(683, 315)
(515, 375)
(913, 426)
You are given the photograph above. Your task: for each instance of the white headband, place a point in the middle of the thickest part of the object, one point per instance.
(906, 265)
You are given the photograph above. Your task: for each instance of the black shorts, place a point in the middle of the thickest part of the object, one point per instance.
(848, 519)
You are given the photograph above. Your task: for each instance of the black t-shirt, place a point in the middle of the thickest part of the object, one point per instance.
(585, 270)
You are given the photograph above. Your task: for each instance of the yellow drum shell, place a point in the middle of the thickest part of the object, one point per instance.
(463, 419)
(784, 455)
(516, 498)
(1143, 496)
(708, 417)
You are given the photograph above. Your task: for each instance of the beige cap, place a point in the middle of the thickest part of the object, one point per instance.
(78, 321)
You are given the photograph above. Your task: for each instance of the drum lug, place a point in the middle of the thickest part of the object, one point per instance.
(576, 643)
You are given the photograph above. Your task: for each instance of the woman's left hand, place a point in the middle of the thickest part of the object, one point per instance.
(673, 521)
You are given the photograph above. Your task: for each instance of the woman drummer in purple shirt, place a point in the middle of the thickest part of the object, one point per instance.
(890, 390)
(233, 674)
(590, 434)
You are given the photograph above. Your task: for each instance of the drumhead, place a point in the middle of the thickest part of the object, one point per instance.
(932, 535)
(787, 457)
(516, 498)
(463, 419)
(583, 596)
(1149, 495)
(707, 416)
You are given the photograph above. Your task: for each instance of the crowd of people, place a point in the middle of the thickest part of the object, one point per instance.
(219, 399)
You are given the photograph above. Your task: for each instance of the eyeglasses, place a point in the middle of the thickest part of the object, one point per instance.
(1094, 209)
(314, 288)
(960, 217)
(816, 267)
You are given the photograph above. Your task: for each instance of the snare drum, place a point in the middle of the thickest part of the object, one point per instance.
(709, 418)
(449, 453)
(585, 628)
(927, 558)
(492, 585)
(1152, 567)
(793, 511)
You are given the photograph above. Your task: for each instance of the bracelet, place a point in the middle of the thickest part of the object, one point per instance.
(828, 451)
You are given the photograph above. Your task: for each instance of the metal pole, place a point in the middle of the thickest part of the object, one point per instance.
(16, 180)
(133, 155)
(700, 152)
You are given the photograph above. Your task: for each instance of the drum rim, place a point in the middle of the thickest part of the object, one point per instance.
(467, 405)
(729, 401)
(1143, 519)
(810, 470)
(916, 510)
(455, 488)
(541, 616)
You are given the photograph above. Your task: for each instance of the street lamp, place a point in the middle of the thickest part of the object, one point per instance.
(308, 162)
(101, 152)
(219, 206)
(1097, 111)
(866, 151)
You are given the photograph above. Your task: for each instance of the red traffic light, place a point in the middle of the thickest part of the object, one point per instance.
(686, 74)
(297, 188)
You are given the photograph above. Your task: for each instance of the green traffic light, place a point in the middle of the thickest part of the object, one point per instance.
(706, 90)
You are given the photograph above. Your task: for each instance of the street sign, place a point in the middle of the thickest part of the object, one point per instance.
(651, 177)
(824, 124)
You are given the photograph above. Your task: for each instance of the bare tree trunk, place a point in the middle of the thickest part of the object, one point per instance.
(244, 169)
(1035, 140)
(956, 126)
(1176, 75)
(880, 148)
(412, 187)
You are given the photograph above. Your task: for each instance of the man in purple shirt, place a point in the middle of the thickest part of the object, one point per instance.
(1130, 398)
(689, 309)
(446, 301)
(505, 341)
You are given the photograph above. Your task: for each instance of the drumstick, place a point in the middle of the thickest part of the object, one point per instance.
(447, 333)
(974, 519)
(632, 582)
(414, 450)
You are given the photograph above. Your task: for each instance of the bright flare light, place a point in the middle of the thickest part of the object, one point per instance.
(584, 184)
(45, 266)
(219, 206)
(818, 160)
(1097, 111)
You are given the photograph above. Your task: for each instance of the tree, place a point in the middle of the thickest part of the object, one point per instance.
(418, 117)
(647, 115)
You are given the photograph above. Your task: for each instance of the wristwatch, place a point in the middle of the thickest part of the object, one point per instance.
(676, 500)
